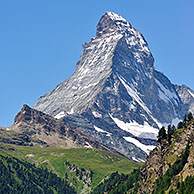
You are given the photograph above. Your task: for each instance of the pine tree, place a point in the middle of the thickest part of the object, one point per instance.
(190, 116)
(162, 134)
(180, 125)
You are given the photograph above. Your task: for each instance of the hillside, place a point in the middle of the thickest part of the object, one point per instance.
(69, 153)
(170, 163)
(22, 177)
(168, 169)
(82, 168)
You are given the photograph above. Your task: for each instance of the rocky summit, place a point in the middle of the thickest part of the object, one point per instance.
(116, 95)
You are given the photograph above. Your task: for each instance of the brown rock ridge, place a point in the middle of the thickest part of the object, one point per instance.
(43, 128)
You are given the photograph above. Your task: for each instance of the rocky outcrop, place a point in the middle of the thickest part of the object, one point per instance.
(165, 155)
(187, 96)
(84, 176)
(38, 127)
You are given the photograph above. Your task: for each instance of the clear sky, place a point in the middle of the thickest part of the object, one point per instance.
(41, 41)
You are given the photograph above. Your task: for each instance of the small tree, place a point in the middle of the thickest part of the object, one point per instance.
(185, 120)
(190, 116)
(170, 131)
(180, 125)
(161, 134)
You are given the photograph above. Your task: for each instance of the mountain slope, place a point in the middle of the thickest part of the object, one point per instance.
(65, 150)
(169, 165)
(22, 177)
(187, 97)
(115, 94)
(168, 169)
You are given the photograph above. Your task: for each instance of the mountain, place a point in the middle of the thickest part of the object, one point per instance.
(187, 96)
(116, 95)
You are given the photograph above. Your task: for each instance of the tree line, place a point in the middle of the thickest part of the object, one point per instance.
(119, 183)
(20, 177)
(167, 134)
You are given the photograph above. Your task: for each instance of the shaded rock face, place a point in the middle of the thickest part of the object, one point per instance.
(187, 97)
(115, 94)
(39, 126)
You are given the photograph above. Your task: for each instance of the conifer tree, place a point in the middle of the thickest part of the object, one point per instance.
(162, 133)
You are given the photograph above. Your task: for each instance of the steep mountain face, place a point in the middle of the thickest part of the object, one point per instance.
(187, 97)
(170, 162)
(116, 95)
(34, 127)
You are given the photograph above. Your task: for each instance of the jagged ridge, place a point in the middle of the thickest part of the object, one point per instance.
(37, 125)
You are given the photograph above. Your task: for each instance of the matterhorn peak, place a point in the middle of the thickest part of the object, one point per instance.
(110, 23)
(115, 94)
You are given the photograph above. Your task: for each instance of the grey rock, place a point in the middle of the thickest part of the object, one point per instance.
(116, 95)
(187, 96)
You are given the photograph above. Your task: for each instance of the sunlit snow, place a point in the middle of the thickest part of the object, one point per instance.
(145, 131)
(60, 115)
(145, 148)
(102, 131)
(88, 145)
(191, 93)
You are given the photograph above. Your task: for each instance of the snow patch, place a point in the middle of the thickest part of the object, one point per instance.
(115, 17)
(71, 111)
(145, 148)
(138, 130)
(191, 93)
(96, 114)
(102, 131)
(99, 130)
(60, 115)
(136, 160)
(88, 145)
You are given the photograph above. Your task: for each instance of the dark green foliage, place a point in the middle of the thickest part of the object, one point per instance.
(19, 177)
(172, 192)
(190, 116)
(161, 134)
(180, 125)
(187, 187)
(163, 183)
(170, 132)
(117, 183)
(187, 118)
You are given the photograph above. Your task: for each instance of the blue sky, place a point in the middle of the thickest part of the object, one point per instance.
(41, 41)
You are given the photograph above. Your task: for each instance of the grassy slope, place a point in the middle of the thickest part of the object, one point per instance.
(102, 163)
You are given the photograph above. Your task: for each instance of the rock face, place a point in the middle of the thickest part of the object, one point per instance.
(43, 129)
(116, 94)
(187, 97)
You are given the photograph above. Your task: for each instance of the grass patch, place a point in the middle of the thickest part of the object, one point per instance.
(101, 163)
